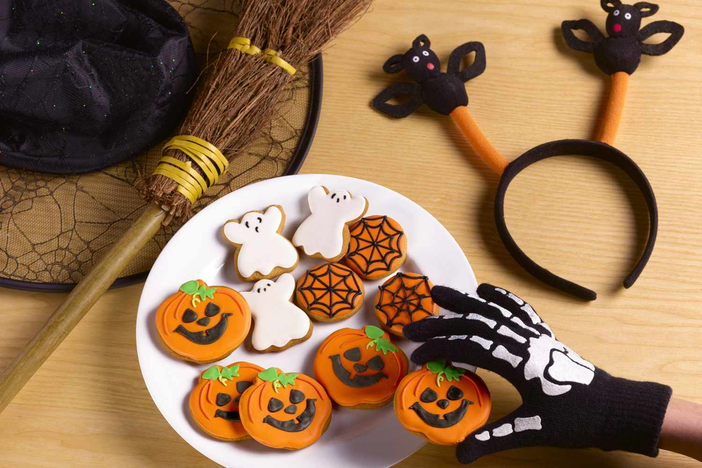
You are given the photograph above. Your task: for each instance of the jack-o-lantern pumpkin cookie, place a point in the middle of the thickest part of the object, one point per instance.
(442, 403)
(286, 411)
(330, 292)
(261, 250)
(203, 324)
(278, 323)
(325, 232)
(360, 368)
(378, 247)
(214, 402)
(403, 299)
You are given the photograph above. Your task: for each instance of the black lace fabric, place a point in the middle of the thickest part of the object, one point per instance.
(54, 227)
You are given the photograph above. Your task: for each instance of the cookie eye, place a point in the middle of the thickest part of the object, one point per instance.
(247, 225)
(223, 399)
(628, 16)
(454, 393)
(616, 13)
(376, 363)
(260, 220)
(425, 53)
(344, 197)
(275, 405)
(415, 59)
(428, 396)
(242, 385)
(189, 316)
(353, 354)
(296, 396)
(211, 310)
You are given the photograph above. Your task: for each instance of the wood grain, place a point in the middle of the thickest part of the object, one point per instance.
(88, 404)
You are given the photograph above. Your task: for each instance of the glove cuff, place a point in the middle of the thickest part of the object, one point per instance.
(634, 413)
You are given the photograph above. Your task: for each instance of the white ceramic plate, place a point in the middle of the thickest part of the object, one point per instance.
(356, 438)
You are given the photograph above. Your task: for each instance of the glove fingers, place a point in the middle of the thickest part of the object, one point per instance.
(473, 350)
(457, 301)
(453, 324)
(515, 305)
(521, 428)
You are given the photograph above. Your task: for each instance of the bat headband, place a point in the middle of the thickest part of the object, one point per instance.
(618, 55)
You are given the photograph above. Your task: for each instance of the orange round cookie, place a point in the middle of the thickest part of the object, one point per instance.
(203, 324)
(330, 292)
(214, 402)
(442, 403)
(287, 411)
(377, 247)
(360, 368)
(404, 298)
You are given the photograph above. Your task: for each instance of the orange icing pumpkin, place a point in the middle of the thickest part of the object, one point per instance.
(377, 247)
(288, 411)
(404, 298)
(203, 324)
(442, 403)
(360, 368)
(214, 402)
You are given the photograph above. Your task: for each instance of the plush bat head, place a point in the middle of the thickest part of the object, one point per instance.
(420, 62)
(625, 20)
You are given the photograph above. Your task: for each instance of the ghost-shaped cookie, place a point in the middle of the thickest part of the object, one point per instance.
(325, 233)
(261, 250)
(278, 323)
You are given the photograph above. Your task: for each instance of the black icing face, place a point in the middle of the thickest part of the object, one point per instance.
(253, 222)
(297, 424)
(208, 335)
(353, 356)
(448, 419)
(225, 399)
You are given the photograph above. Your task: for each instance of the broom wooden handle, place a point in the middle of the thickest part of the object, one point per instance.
(78, 303)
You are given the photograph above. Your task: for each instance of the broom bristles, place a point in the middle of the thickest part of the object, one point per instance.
(239, 92)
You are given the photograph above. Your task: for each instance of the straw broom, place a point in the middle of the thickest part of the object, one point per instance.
(235, 101)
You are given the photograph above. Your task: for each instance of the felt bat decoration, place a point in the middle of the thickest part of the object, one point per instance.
(445, 93)
(621, 51)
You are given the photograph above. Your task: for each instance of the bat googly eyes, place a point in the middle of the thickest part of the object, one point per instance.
(616, 13)
(415, 59)
(425, 53)
(628, 16)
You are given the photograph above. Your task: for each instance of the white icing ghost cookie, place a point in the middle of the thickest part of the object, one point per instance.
(278, 323)
(261, 251)
(325, 233)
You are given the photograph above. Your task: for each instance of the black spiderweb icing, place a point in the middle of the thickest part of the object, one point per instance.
(334, 290)
(380, 251)
(405, 300)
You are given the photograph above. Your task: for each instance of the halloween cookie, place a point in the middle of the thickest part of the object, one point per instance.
(279, 324)
(403, 299)
(442, 403)
(360, 368)
(214, 402)
(287, 411)
(261, 250)
(203, 324)
(330, 292)
(325, 232)
(378, 247)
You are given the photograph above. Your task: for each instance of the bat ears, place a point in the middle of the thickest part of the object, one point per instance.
(421, 41)
(393, 64)
(609, 5)
(646, 9)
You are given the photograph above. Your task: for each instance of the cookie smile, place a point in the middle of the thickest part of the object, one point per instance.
(358, 381)
(208, 336)
(303, 421)
(228, 415)
(449, 419)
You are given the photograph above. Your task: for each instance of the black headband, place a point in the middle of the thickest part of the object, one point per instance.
(592, 149)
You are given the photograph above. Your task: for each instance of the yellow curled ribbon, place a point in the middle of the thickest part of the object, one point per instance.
(243, 45)
(206, 156)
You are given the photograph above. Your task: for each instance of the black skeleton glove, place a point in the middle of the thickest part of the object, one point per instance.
(566, 401)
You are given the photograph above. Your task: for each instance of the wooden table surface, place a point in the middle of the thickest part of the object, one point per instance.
(88, 405)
